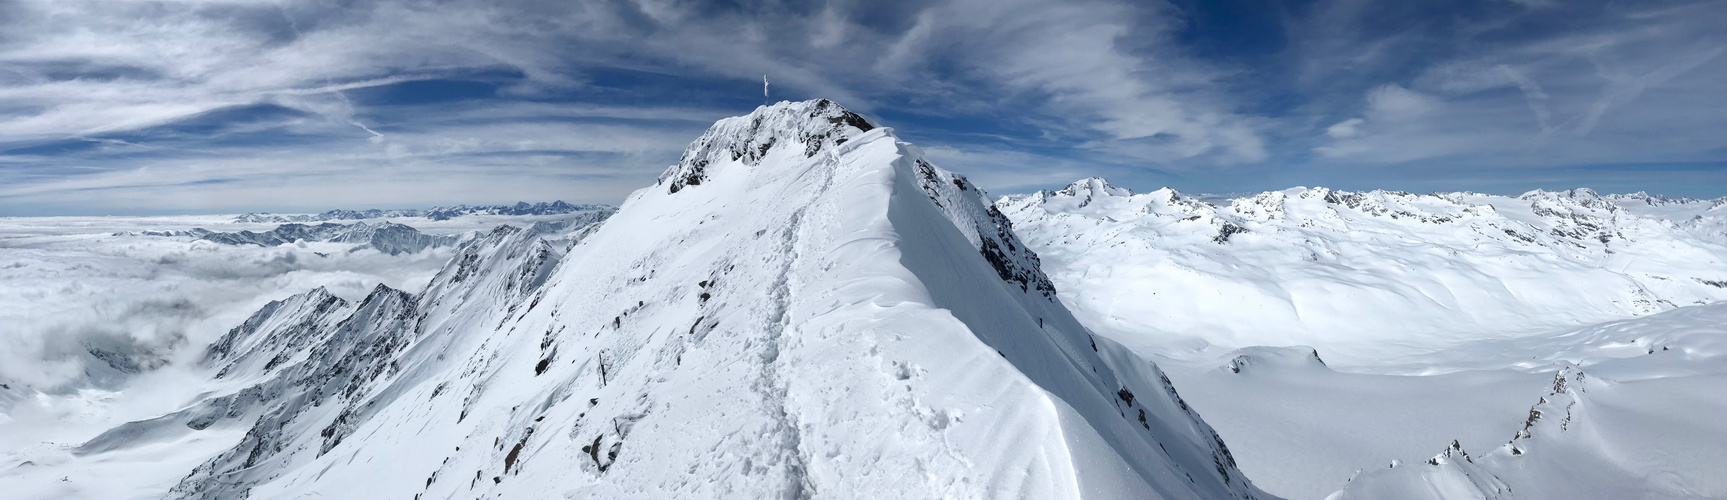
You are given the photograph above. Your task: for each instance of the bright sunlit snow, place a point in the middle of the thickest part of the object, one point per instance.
(804, 306)
(1402, 323)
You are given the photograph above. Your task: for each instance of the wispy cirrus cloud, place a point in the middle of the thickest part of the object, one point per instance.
(1546, 86)
(590, 97)
(103, 71)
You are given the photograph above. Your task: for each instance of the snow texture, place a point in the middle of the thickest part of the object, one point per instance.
(102, 323)
(802, 307)
(1319, 267)
(1440, 317)
(1642, 426)
(805, 307)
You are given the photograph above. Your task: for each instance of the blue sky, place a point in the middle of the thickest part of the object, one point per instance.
(192, 106)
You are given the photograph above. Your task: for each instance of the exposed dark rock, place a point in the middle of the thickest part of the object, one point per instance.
(816, 126)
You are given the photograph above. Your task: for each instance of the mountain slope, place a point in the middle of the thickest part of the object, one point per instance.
(752, 324)
(331, 365)
(1346, 272)
(802, 307)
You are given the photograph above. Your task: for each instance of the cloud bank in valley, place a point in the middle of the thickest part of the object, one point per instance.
(85, 308)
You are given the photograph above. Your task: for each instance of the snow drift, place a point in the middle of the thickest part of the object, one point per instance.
(1642, 425)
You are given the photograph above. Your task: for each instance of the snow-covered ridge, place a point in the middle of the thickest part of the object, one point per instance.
(985, 227)
(821, 125)
(1330, 268)
(314, 367)
(967, 259)
(824, 314)
(434, 213)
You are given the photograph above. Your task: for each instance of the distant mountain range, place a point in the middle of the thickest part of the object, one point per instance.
(434, 213)
(387, 237)
(1459, 262)
(390, 237)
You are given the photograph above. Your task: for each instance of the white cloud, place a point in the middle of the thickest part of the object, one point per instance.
(1097, 79)
(1604, 88)
(1073, 53)
(71, 287)
(1343, 129)
(81, 69)
(1393, 102)
(1622, 88)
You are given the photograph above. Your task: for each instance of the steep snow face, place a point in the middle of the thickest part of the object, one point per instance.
(310, 369)
(1347, 271)
(283, 329)
(830, 316)
(291, 383)
(571, 230)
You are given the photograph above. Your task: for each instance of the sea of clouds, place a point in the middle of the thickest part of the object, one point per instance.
(98, 319)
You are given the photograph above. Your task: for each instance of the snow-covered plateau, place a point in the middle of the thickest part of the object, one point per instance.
(805, 307)
(1326, 332)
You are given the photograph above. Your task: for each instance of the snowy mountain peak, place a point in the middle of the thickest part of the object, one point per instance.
(807, 127)
(1648, 199)
(1094, 186)
(1569, 199)
(1262, 207)
(829, 314)
(277, 332)
(505, 263)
